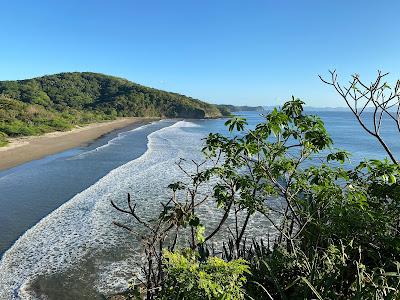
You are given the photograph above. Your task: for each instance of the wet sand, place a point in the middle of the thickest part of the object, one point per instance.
(21, 150)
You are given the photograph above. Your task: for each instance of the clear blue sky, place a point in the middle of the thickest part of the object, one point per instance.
(240, 52)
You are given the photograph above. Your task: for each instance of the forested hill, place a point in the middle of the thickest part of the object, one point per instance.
(227, 108)
(61, 101)
(107, 94)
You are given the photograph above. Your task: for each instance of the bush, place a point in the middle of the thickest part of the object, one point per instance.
(59, 124)
(3, 139)
(18, 128)
(188, 278)
(337, 228)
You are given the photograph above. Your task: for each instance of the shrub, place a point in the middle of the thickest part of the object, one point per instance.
(3, 139)
(188, 278)
(336, 227)
(18, 128)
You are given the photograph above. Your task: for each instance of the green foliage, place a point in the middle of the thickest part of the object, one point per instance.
(21, 119)
(336, 227)
(3, 139)
(338, 231)
(236, 122)
(105, 94)
(61, 101)
(329, 273)
(188, 278)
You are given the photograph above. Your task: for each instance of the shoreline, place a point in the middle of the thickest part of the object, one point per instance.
(25, 149)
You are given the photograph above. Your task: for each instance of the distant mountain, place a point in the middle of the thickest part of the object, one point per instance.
(227, 109)
(368, 109)
(60, 101)
(313, 108)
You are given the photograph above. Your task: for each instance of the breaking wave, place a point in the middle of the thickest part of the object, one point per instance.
(78, 241)
(81, 229)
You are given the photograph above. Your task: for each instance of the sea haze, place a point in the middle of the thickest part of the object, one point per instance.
(75, 248)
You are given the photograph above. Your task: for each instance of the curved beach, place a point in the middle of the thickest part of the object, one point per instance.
(21, 150)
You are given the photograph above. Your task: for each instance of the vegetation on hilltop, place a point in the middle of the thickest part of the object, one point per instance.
(61, 101)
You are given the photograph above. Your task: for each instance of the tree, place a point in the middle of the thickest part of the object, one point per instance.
(336, 228)
(378, 95)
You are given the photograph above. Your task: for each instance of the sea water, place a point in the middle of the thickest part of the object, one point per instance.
(75, 252)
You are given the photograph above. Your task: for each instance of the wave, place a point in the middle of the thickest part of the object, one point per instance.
(186, 124)
(114, 141)
(82, 227)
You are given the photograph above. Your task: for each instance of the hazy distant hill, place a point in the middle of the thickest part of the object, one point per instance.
(312, 108)
(227, 109)
(60, 101)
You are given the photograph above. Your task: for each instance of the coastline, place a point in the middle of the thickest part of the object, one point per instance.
(25, 149)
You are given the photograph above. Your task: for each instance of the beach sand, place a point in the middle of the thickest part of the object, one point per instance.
(24, 149)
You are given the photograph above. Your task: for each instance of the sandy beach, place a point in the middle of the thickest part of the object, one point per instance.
(21, 150)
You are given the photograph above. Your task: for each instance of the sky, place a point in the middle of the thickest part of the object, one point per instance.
(222, 51)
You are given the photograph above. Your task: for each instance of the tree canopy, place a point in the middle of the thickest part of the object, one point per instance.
(335, 226)
(60, 101)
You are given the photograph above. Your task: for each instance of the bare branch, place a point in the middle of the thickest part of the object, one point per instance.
(373, 94)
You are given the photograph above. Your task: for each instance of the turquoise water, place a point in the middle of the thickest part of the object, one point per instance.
(74, 246)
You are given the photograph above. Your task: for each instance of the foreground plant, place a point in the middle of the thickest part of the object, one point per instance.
(186, 277)
(336, 227)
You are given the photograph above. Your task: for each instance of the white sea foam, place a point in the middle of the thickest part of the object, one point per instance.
(82, 227)
(81, 230)
(113, 141)
(182, 124)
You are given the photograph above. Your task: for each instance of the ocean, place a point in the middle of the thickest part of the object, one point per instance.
(57, 238)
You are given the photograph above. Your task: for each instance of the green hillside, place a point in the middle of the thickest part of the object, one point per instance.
(227, 108)
(62, 101)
